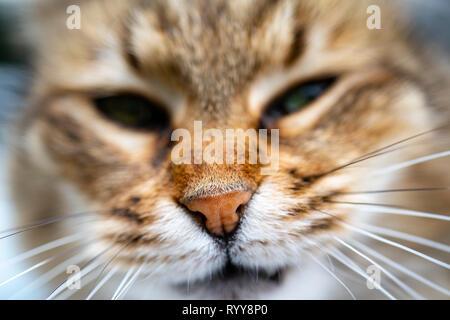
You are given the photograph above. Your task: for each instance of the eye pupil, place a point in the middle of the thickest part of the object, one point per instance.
(294, 99)
(133, 111)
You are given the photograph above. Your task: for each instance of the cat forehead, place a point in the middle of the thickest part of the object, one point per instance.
(220, 34)
(215, 47)
(215, 42)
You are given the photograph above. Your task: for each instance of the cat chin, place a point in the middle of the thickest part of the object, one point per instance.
(306, 282)
(234, 289)
(233, 282)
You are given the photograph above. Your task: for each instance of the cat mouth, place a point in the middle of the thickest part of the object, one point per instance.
(232, 276)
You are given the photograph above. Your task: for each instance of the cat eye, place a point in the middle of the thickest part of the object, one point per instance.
(133, 111)
(294, 100)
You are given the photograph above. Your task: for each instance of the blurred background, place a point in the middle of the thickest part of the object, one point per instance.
(431, 23)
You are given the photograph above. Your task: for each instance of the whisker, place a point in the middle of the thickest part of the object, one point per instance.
(355, 161)
(44, 222)
(380, 151)
(332, 274)
(398, 245)
(359, 271)
(406, 139)
(332, 271)
(388, 286)
(102, 282)
(409, 163)
(364, 203)
(394, 190)
(400, 283)
(40, 264)
(87, 279)
(130, 283)
(399, 267)
(386, 241)
(154, 271)
(408, 237)
(86, 268)
(381, 208)
(122, 283)
(84, 272)
(50, 275)
(43, 248)
(112, 258)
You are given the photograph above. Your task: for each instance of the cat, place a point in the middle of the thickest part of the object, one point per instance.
(361, 112)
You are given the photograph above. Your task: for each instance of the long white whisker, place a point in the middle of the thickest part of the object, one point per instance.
(400, 283)
(331, 271)
(402, 141)
(332, 274)
(86, 268)
(395, 244)
(43, 248)
(112, 259)
(51, 274)
(86, 280)
(359, 271)
(37, 265)
(408, 237)
(399, 267)
(392, 210)
(132, 280)
(394, 190)
(102, 282)
(122, 283)
(157, 269)
(18, 230)
(409, 163)
(350, 275)
(89, 268)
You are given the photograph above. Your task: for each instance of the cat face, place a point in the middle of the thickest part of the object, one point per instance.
(230, 65)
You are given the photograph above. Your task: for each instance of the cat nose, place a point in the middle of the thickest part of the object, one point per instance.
(221, 211)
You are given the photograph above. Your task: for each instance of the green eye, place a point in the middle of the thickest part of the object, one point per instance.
(294, 100)
(133, 111)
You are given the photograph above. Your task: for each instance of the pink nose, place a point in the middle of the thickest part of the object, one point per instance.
(220, 211)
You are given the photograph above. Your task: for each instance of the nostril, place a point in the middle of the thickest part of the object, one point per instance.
(240, 210)
(198, 217)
